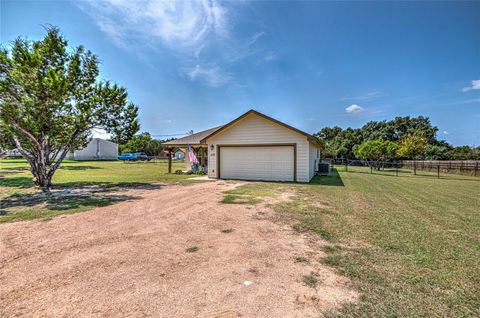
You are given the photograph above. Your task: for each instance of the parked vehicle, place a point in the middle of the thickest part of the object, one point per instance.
(137, 156)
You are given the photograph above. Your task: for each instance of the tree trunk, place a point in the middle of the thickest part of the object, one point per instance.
(41, 178)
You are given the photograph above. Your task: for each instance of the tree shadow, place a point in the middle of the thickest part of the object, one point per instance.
(16, 182)
(332, 179)
(66, 199)
(15, 168)
(80, 167)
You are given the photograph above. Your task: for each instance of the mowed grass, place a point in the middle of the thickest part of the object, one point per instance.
(409, 244)
(19, 200)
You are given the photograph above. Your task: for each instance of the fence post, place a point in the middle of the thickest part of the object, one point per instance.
(438, 171)
(371, 169)
(476, 168)
(414, 167)
(346, 164)
(396, 169)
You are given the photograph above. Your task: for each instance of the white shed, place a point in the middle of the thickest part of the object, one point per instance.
(96, 149)
(255, 147)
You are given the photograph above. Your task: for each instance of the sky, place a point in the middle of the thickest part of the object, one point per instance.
(196, 65)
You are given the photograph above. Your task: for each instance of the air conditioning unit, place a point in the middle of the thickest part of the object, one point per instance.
(323, 168)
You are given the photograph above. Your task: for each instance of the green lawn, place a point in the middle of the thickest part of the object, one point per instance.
(20, 201)
(410, 244)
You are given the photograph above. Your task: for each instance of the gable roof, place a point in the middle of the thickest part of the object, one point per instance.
(194, 139)
(202, 136)
(252, 111)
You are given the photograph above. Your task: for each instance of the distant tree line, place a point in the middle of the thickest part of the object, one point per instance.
(143, 143)
(400, 138)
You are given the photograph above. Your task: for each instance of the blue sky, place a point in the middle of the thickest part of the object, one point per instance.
(196, 65)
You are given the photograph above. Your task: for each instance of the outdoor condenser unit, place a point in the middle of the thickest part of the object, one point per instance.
(323, 168)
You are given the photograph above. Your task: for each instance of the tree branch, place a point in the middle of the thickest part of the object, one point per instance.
(27, 133)
(24, 153)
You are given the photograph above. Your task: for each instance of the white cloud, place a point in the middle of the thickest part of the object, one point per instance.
(353, 109)
(192, 30)
(179, 25)
(475, 84)
(212, 76)
(446, 132)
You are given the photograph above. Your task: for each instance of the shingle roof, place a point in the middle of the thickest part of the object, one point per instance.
(201, 137)
(192, 139)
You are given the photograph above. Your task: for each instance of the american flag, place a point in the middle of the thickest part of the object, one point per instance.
(191, 155)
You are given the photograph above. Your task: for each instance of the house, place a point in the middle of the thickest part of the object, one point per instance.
(179, 155)
(96, 149)
(253, 146)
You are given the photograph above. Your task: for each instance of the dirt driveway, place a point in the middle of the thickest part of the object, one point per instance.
(130, 260)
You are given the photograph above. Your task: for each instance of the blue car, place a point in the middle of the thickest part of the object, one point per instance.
(137, 156)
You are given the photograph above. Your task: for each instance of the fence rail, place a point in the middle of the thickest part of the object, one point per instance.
(452, 166)
(468, 167)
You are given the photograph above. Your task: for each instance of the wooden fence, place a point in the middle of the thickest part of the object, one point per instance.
(466, 167)
(470, 167)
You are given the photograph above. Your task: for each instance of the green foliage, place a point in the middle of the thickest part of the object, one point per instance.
(465, 153)
(376, 150)
(437, 152)
(142, 143)
(412, 147)
(340, 143)
(51, 99)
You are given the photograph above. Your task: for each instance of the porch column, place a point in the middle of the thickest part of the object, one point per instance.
(170, 160)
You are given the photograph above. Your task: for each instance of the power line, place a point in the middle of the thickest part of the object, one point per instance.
(169, 135)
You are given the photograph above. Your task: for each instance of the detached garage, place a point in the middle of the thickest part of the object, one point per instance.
(253, 147)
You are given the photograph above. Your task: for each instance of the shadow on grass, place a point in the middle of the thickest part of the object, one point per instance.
(79, 167)
(26, 182)
(333, 179)
(19, 169)
(24, 206)
(16, 182)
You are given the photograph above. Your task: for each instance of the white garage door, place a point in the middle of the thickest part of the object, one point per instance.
(270, 163)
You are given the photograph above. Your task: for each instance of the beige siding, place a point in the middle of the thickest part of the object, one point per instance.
(254, 129)
(314, 157)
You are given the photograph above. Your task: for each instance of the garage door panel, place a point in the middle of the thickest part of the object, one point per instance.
(272, 163)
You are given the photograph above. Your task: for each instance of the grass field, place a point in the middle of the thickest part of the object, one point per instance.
(410, 244)
(97, 183)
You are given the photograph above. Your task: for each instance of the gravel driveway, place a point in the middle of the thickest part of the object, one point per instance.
(130, 260)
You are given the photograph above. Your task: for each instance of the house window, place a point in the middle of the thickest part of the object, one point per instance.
(318, 153)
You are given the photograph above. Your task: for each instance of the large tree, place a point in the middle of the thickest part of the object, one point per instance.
(51, 98)
(143, 143)
(340, 143)
(376, 151)
(412, 147)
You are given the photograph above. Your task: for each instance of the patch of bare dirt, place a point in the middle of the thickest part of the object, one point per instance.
(130, 260)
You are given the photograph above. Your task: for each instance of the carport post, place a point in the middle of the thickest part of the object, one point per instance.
(170, 160)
